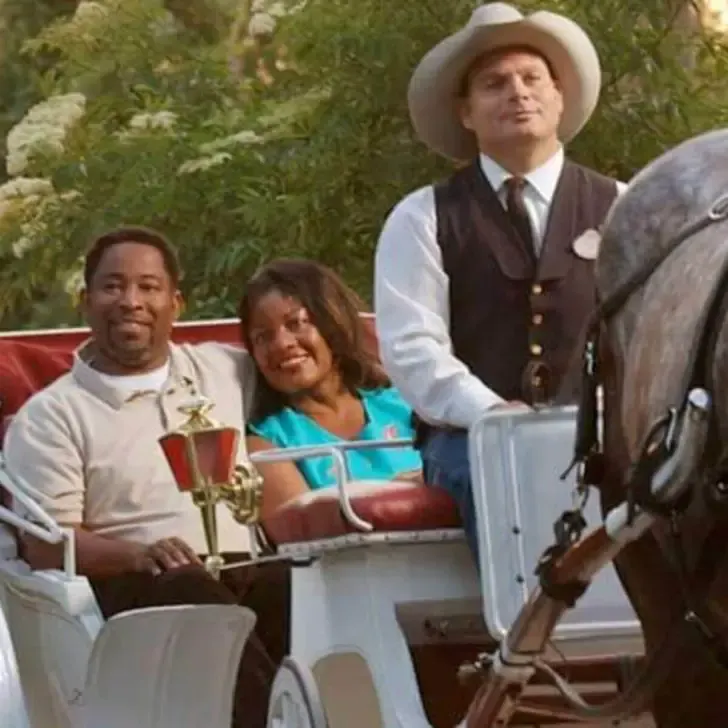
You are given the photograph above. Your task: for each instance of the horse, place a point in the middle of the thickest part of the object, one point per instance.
(662, 279)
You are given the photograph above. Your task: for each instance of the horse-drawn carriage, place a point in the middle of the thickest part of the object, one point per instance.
(387, 607)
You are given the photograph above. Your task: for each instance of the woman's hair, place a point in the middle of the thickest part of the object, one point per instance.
(333, 309)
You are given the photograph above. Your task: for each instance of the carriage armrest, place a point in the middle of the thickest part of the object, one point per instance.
(337, 452)
(386, 506)
(350, 507)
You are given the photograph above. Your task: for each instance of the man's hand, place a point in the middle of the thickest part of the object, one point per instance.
(166, 554)
(99, 557)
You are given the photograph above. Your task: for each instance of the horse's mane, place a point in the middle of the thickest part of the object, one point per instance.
(659, 201)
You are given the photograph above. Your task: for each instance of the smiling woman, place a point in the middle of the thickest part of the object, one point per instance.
(319, 383)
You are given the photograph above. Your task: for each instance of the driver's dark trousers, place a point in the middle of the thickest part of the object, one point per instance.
(264, 588)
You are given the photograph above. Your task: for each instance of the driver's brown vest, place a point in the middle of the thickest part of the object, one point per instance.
(515, 319)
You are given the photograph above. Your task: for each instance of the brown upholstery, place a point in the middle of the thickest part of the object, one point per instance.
(387, 506)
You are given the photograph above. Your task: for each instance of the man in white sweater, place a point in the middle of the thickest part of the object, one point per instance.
(90, 443)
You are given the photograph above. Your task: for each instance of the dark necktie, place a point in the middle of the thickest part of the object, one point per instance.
(517, 210)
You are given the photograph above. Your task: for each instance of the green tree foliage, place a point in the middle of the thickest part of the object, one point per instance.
(248, 130)
(19, 80)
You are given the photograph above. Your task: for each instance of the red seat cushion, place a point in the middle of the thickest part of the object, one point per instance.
(26, 368)
(387, 506)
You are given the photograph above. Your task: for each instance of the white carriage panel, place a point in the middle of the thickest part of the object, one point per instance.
(13, 713)
(53, 625)
(8, 544)
(345, 602)
(517, 459)
(166, 667)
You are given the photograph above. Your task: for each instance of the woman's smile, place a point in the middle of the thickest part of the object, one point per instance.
(292, 363)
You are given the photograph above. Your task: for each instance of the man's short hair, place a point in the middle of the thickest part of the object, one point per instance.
(131, 234)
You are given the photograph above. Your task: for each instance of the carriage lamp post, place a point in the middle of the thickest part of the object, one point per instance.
(202, 455)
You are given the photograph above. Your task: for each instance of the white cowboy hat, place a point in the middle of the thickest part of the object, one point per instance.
(433, 89)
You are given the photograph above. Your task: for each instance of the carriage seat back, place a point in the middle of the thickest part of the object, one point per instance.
(31, 360)
(26, 368)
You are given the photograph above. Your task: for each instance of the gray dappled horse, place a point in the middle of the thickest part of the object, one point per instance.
(668, 235)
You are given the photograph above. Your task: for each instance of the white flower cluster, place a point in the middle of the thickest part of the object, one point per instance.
(25, 202)
(44, 128)
(88, 13)
(264, 15)
(204, 163)
(87, 27)
(243, 138)
(261, 25)
(715, 13)
(20, 200)
(153, 120)
(25, 187)
(31, 232)
(276, 8)
(35, 208)
(213, 154)
(148, 121)
(165, 26)
(74, 283)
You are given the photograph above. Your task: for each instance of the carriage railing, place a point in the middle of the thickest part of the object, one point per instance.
(46, 529)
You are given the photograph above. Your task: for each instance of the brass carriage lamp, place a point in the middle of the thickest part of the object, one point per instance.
(202, 456)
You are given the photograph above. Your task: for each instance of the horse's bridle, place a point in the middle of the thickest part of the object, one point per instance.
(589, 457)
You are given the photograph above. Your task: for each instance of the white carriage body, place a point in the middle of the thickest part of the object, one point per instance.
(383, 611)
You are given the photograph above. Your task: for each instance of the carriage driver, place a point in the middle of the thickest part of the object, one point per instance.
(484, 281)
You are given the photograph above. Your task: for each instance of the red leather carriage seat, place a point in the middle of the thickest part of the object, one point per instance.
(388, 507)
(25, 368)
(29, 362)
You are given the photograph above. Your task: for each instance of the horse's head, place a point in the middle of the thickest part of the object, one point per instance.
(664, 258)
(654, 338)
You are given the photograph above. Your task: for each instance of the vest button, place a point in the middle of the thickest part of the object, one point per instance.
(536, 350)
(537, 319)
(536, 289)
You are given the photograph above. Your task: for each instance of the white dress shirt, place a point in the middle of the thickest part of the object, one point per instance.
(411, 299)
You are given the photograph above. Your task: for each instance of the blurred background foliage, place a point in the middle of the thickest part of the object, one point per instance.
(249, 129)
